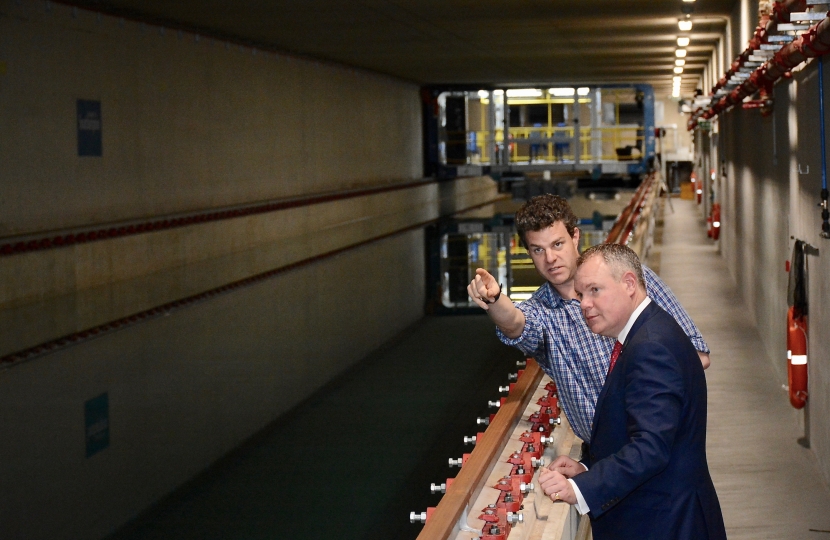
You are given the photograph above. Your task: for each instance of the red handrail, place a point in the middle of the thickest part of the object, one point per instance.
(624, 226)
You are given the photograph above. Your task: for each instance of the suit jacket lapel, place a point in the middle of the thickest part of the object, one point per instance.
(647, 313)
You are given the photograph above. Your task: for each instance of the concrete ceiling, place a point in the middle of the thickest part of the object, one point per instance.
(461, 41)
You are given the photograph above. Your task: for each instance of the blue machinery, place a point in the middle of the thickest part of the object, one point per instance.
(596, 131)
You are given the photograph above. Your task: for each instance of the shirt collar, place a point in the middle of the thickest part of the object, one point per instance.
(627, 328)
(553, 296)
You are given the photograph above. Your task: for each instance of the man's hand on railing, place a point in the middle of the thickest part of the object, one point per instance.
(556, 486)
(567, 467)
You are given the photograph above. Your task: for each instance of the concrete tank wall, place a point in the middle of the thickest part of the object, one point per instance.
(188, 126)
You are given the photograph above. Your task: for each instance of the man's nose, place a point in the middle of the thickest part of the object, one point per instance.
(550, 255)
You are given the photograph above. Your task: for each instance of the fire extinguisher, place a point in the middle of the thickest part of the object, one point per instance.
(797, 327)
(698, 187)
(797, 358)
(715, 221)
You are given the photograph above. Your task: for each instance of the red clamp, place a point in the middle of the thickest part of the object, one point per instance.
(493, 532)
(535, 437)
(526, 460)
(509, 502)
(498, 528)
(544, 416)
(524, 474)
(548, 401)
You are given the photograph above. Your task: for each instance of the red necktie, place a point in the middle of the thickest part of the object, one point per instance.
(615, 354)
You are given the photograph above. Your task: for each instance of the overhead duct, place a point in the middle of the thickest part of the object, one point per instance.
(813, 43)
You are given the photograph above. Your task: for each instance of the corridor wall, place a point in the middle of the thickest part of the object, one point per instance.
(769, 197)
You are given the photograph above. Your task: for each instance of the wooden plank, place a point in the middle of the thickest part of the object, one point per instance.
(443, 523)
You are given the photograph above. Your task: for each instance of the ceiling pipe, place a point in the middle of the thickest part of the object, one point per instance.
(813, 43)
(768, 23)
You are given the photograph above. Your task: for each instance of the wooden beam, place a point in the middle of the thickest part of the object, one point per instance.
(465, 488)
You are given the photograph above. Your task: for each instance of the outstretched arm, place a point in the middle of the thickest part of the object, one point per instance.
(485, 292)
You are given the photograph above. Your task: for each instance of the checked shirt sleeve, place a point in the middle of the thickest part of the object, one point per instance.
(532, 340)
(660, 293)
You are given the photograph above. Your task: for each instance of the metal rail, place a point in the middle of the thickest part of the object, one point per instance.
(466, 487)
(624, 227)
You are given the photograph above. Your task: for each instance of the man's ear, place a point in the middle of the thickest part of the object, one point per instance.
(630, 280)
(576, 238)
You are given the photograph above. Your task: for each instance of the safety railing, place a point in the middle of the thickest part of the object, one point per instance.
(494, 495)
(616, 143)
(466, 487)
(635, 225)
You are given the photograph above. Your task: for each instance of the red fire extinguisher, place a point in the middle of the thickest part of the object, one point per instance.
(797, 325)
(797, 358)
(698, 187)
(715, 221)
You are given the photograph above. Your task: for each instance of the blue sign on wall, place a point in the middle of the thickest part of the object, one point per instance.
(90, 142)
(97, 423)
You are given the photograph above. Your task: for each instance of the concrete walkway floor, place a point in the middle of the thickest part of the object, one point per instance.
(769, 486)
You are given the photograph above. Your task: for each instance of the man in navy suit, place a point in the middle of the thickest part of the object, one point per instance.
(645, 475)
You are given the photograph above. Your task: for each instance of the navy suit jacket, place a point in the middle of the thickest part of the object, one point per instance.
(648, 477)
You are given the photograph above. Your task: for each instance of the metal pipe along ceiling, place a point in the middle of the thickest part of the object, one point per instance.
(811, 44)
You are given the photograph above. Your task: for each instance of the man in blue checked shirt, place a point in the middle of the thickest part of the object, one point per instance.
(549, 326)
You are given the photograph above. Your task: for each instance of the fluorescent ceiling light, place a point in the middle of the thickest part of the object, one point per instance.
(688, 1)
(683, 41)
(498, 92)
(676, 78)
(524, 92)
(483, 94)
(583, 91)
(680, 53)
(562, 92)
(679, 62)
(684, 25)
(678, 69)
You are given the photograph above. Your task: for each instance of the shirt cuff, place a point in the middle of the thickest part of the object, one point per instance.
(513, 342)
(581, 505)
(701, 346)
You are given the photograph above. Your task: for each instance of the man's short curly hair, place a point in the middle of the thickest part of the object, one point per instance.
(541, 212)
